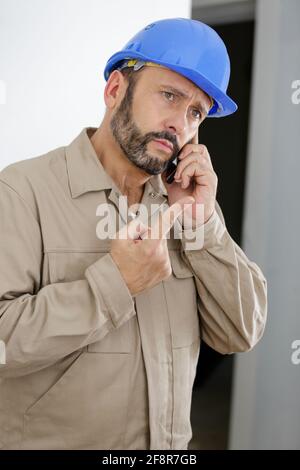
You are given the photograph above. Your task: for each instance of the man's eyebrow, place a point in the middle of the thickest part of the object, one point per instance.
(199, 105)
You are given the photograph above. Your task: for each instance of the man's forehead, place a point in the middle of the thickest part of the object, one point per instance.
(163, 76)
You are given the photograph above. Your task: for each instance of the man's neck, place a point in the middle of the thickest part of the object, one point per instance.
(128, 178)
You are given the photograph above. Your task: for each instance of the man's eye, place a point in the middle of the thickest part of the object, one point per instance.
(170, 96)
(196, 113)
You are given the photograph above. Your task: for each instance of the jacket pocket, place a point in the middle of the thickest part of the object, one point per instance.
(181, 297)
(179, 267)
(68, 266)
(85, 409)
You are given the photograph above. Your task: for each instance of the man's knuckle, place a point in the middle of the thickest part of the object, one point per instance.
(167, 270)
(150, 251)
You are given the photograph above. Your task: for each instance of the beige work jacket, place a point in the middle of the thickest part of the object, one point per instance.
(87, 365)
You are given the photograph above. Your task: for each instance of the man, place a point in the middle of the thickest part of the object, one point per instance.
(102, 334)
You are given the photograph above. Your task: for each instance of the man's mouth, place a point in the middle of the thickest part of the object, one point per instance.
(164, 144)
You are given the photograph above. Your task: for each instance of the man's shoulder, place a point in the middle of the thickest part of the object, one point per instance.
(32, 171)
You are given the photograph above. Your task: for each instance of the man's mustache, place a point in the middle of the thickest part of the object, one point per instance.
(165, 136)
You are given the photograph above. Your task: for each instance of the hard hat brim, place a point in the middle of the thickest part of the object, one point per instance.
(224, 104)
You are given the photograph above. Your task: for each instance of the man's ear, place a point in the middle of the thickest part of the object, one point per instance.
(114, 89)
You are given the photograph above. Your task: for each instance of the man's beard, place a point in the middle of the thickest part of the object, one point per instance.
(133, 143)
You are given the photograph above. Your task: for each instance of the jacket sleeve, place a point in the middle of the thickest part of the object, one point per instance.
(41, 325)
(232, 291)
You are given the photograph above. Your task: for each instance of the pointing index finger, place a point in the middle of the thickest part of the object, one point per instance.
(167, 219)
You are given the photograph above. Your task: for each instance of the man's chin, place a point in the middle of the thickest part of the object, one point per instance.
(146, 171)
(155, 170)
(152, 170)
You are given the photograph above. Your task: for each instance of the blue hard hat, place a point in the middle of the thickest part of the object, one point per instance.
(188, 47)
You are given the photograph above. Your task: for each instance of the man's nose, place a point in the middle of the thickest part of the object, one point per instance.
(176, 124)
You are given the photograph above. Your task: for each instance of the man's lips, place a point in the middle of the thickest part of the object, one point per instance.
(165, 144)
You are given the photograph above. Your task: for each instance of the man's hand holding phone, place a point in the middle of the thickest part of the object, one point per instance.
(193, 176)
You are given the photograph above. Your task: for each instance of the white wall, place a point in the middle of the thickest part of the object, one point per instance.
(266, 399)
(52, 55)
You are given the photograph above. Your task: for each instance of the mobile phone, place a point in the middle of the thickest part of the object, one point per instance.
(171, 170)
(172, 165)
